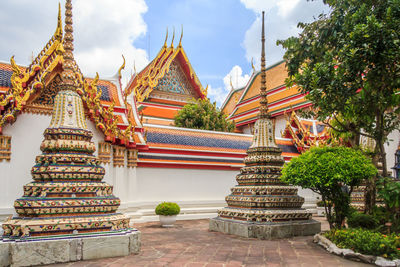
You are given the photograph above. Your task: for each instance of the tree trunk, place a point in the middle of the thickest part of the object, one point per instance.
(370, 186)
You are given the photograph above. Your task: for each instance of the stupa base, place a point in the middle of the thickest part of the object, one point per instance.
(60, 249)
(265, 230)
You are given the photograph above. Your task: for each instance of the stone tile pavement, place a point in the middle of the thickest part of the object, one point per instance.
(190, 244)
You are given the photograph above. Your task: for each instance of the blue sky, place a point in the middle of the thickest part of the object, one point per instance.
(220, 36)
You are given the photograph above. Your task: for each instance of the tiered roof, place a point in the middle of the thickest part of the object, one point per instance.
(173, 147)
(33, 88)
(304, 133)
(165, 85)
(280, 98)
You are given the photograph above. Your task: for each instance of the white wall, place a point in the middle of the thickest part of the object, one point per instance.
(26, 136)
(199, 192)
(391, 148)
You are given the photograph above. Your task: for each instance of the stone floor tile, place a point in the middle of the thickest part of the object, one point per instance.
(190, 244)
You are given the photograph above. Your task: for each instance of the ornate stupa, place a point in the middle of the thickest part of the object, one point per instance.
(261, 198)
(67, 195)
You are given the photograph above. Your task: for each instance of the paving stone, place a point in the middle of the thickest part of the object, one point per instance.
(190, 244)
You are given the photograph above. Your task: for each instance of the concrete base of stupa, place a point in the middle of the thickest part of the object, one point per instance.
(68, 248)
(265, 230)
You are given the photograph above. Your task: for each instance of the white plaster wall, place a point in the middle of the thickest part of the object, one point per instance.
(165, 184)
(391, 148)
(280, 124)
(26, 136)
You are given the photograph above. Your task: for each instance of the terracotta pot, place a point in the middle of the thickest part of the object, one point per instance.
(167, 221)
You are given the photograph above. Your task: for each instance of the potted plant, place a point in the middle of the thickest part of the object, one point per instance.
(167, 212)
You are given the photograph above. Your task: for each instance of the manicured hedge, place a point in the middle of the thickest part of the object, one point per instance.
(366, 242)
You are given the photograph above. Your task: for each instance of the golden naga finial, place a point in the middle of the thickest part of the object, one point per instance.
(205, 91)
(59, 31)
(166, 38)
(230, 82)
(14, 67)
(121, 68)
(173, 37)
(134, 67)
(180, 40)
(252, 65)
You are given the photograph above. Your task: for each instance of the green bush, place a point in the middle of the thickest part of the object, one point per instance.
(332, 172)
(366, 242)
(167, 208)
(362, 220)
(202, 114)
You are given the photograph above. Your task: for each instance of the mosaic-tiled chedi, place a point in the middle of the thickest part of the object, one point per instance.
(67, 195)
(260, 195)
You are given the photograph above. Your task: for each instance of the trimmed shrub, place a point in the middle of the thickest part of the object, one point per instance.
(362, 220)
(366, 242)
(167, 208)
(332, 172)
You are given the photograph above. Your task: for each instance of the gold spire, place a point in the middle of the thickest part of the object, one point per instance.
(166, 38)
(68, 75)
(263, 88)
(180, 40)
(59, 31)
(173, 37)
(121, 68)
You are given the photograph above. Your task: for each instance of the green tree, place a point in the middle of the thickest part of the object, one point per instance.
(331, 172)
(202, 114)
(348, 64)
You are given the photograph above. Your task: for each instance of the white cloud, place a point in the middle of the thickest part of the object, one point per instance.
(236, 76)
(103, 31)
(106, 29)
(217, 94)
(238, 79)
(284, 6)
(281, 19)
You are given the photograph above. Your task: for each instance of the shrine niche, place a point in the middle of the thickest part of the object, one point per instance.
(118, 156)
(104, 152)
(132, 157)
(5, 147)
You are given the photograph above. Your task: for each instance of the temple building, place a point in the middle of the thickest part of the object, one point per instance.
(285, 106)
(165, 85)
(261, 205)
(145, 158)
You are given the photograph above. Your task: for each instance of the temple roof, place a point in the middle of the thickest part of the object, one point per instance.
(165, 85)
(174, 147)
(33, 88)
(305, 133)
(280, 98)
(143, 83)
(231, 100)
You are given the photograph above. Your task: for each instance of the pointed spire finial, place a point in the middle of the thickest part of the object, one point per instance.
(263, 88)
(180, 40)
(59, 31)
(68, 75)
(166, 38)
(173, 37)
(252, 65)
(121, 68)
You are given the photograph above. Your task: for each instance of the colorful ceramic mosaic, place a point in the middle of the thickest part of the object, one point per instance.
(260, 196)
(174, 81)
(67, 195)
